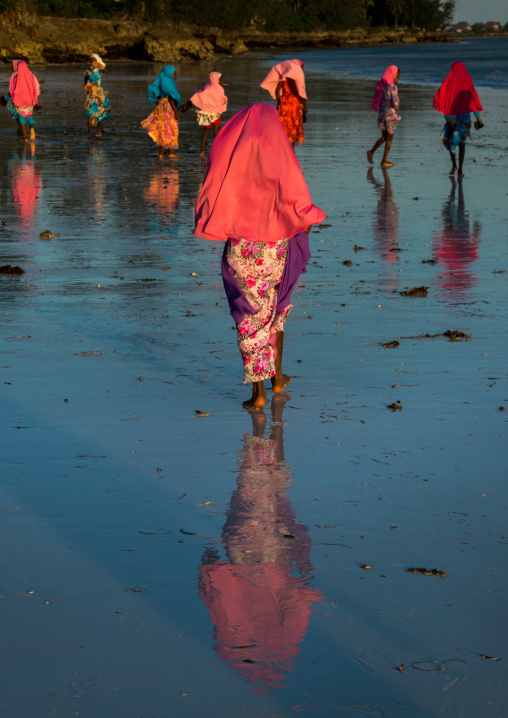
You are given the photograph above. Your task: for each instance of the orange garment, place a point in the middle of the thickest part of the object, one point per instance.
(291, 111)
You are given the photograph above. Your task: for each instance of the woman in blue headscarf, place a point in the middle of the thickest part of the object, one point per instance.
(162, 124)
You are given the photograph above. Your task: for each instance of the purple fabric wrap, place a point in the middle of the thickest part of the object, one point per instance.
(296, 264)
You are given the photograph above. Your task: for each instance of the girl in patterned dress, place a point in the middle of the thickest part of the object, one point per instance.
(456, 99)
(386, 104)
(255, 199)
(210, 102)
(162, 123)
(96, 103)
(286, 84)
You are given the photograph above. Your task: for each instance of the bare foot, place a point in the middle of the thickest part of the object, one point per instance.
(461, 174)
(202, 154)
(453, 170)
(369, 157)
(258, 398)
(387, 164)
(161, 154)
(32, 133)
(99, 134)
(279, 383)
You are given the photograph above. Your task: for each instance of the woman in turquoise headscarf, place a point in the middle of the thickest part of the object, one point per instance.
(96, 103)
(162, 123)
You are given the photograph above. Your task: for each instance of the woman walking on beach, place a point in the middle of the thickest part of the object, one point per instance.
(96, 103)
(386, 104)
(24, 89)
(456, 99)
(211, 103)
(255, 198)
(286, 83)
(162, 123)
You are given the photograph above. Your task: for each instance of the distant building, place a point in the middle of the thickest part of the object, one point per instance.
(462, 27)
(492, 26)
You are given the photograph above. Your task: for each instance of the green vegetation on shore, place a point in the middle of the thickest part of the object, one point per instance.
(267, 15)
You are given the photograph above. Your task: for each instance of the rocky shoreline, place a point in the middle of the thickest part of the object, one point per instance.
(41, 40)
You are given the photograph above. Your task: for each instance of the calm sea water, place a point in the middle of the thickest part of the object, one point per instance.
(486, 60)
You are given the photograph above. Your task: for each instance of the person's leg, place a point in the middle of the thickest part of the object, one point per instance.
(375, 147)
(22, 124)
(99, 130)
(462, 154)
(454, 163)
(216, 129)
(258, 398)
(31, 122)
(206, 130)
(89, 125)
(388, 144)
(280, 381)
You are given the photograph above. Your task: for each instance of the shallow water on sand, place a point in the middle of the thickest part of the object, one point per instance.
(161, 564)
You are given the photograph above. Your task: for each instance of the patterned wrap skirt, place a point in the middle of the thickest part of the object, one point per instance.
(257, 268)
(162, 125)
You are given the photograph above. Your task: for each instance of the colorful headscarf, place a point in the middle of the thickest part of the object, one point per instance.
(211, 98)
(164, 86)
(287, 68)
(387, 78)
(95, 57)
(457, 94)
(254, 188)
(24, 87)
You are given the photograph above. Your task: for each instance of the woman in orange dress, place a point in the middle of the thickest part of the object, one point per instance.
(286, 83)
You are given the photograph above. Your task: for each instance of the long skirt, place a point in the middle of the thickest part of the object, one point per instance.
(291, 111)
(96, 104)
(455, 131)
(162, 125)
(257, 268)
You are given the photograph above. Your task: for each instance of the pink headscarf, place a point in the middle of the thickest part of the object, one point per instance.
(254, 188)
(288, 68)
(387, 78)
(211, 98)
(457, 94)
(24, 87)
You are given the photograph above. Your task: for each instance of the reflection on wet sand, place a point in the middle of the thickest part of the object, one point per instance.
(456, 243)
(385, 224)
(26, 183)
(260, 611)
(97, 174)
(163, 190)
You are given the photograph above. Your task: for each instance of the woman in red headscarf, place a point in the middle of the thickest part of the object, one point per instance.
(456, 99)
(24, 89)
(386, 104)
(210, 102)
(286, 83)
(255, 199)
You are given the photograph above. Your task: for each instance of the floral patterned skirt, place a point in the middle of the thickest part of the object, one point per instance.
(258, 268)
(162, 126)
(96, 104)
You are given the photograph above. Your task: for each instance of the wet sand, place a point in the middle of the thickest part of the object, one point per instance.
(159, 563)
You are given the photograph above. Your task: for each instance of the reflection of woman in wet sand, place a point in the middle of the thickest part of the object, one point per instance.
(386, 103)
(456, 244)
(163, 190)
(255, 199)
(456, 99)
(26, 184)
(286, 83)
(260, 611)
(211, 103)
(386, 217)
(162, 123)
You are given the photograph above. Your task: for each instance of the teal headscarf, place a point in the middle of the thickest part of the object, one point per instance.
(164, 86)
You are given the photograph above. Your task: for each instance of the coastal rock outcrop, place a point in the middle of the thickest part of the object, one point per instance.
(54, 39)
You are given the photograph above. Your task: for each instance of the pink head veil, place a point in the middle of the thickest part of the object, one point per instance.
(211, 98)
(387, 78)
(23, 86)
(254, 188)
(288, 68)
(457, 95)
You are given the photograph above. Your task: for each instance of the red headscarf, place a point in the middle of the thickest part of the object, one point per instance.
(254, 188)
(23, 86)
(288, 68)
(457, 94)
(211, 98)
(387, 78)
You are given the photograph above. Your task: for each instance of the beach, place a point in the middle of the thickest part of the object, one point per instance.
(136, 582)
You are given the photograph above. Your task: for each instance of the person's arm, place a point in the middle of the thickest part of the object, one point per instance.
(175, 108)
(394, 99)
(304, 104)
(186, 106)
